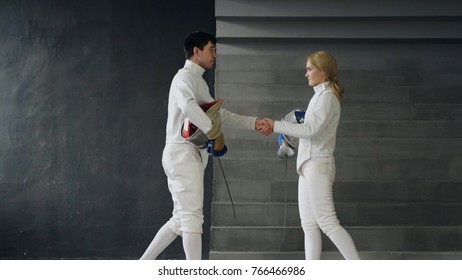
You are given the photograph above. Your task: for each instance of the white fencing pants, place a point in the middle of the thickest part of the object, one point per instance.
(184, 166)
(317, 209)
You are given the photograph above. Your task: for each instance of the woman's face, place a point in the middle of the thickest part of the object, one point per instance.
(314, 75)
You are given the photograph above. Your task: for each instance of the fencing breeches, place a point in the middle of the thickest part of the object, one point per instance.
(317, 209)
(184, 166)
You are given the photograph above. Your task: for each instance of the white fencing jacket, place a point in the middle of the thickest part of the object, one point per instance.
(187, 92)
(318, 132)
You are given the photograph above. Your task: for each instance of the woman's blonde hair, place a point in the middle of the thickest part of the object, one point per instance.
(327, 63)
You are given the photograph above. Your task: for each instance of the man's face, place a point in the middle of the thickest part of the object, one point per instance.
(206, 57)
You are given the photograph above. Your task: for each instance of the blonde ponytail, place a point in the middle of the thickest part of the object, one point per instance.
(337, 87)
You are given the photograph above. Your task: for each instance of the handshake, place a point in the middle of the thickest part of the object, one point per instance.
(264, 126)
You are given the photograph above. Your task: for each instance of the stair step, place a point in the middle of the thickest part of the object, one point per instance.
(351, 61)
(344, 191)
(348, 77)
(349, 168)
(365, 255)
(364, 214)
(384, 129)
(379, 238)
(353, 147)
(353, 111)
(358, 93)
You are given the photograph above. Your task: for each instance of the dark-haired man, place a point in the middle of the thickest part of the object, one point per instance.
(184, 162)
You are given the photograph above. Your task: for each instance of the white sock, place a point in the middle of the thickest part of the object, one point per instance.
(192, 244)
(313, 244)
(345, 244)
(163, 238)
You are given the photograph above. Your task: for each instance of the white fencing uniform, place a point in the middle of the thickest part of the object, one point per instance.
(183, 163)
(316, 167)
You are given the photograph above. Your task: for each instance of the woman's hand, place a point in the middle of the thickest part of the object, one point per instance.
(264, 126)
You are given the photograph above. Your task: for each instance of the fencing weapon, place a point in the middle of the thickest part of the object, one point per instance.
(213, 141)
(287, 146)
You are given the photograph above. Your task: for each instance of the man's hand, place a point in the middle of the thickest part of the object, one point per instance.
(219, 143)
(264, 126)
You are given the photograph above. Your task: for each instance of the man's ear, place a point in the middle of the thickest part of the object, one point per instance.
(196, 50)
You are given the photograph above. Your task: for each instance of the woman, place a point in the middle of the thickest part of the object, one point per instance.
(315, 161)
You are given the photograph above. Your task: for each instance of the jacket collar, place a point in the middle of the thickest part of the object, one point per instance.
(321, 87)
(194, 67)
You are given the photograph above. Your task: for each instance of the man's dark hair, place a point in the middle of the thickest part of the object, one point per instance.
(197, 39)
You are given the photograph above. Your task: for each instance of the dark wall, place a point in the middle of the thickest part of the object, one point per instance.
(83, 104)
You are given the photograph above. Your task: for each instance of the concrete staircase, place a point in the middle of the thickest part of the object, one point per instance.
(398, 188)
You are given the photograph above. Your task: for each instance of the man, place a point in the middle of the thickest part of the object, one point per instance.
(183, 162)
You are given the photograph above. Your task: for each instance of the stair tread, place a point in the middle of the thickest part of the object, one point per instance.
(379, 203)
(352, 227)
(326, 255)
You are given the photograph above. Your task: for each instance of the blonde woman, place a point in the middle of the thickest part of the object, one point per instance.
(315, 161)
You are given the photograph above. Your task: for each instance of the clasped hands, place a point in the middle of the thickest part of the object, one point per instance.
(264, 126)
